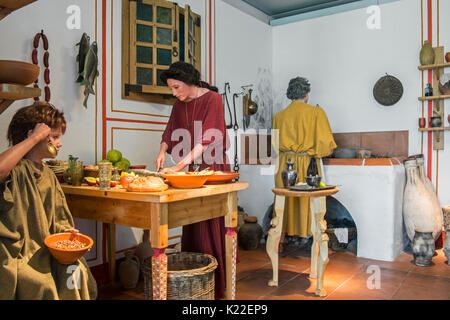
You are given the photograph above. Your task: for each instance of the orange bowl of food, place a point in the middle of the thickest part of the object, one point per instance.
(67, 248)
(187, 180)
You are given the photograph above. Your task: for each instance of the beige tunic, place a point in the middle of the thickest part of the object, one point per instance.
(33, 206)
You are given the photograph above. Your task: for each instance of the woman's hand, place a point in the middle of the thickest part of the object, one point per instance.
(171, 169)
(71, 230)
(160, 160)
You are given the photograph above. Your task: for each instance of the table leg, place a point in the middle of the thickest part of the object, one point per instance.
(231, 246)
(273, 239)
(159, 274)
(320, 244)
(111, 243)
(159, 240)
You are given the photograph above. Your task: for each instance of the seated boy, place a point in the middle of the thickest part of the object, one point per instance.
(33, 206)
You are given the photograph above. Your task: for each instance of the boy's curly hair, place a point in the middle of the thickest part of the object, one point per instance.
(26, 118)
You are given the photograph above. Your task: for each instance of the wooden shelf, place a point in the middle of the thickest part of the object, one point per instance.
(434, 98)
(8, 6)
(434, 66)
(435, 129)
(12, 92)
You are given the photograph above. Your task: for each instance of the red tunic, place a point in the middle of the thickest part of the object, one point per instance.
(206, 236)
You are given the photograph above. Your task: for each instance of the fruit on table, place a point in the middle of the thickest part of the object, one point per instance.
(114, 156)
(113, 183)
(122, 165)
(125, 180)
(321, 184)
(91, 181)
(97, 181)
(128, 174)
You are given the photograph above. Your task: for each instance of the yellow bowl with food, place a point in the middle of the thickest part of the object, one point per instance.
(187, 180)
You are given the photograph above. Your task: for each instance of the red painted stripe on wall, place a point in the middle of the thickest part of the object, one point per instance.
(210, 44)
(430, 77)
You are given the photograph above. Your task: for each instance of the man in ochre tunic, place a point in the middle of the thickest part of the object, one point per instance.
(304, 133)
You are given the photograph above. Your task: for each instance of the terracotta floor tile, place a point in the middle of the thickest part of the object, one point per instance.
(248, 266)
(254, 284)
(363, 287)
(438, 267)
(424, 287)
(404, 262)
(298, 288)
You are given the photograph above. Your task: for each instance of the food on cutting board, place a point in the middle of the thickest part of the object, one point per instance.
(126, 179)
(147, 184)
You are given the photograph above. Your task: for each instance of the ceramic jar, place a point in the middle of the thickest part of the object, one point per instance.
(144, 249)
(289, 176)
(426, 54)
(250, 234)
(421, 209)
(129, 270)
(435, 122)
(423, 248)
(447, 245)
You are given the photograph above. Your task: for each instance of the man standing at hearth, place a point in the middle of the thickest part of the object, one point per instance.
(304, 134)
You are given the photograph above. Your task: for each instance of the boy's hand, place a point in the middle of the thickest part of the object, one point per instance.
(74, 231)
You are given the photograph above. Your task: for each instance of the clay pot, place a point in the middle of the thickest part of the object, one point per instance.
(289, 176)
(447, 245)
(144, 249)
(422, 122)
(421, 209)
(435, 122)
(447, 57)
(18, 72)
(129, 270)
(427, 54)
(250, 234)
(423, 248)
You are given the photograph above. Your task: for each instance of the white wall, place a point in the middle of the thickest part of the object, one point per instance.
(244, 57)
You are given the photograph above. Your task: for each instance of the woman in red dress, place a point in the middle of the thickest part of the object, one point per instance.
(197, 128)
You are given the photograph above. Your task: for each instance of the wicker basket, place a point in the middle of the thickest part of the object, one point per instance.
(190, 276)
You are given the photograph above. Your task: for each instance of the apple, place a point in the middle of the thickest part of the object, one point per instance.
(447, 57)
(126, 180)
(90, 181)
(113, 184)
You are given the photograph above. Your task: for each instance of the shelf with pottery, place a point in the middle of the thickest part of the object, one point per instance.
(441, 97)
(434, 66)
(435, 129)
(11, 92)
(433, 58)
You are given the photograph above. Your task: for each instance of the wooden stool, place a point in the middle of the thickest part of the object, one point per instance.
(319, 249)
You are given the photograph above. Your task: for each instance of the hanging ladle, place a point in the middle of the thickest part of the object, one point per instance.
(252, 105)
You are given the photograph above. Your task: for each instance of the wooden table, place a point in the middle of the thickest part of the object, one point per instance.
(160, 211)
(319, 249)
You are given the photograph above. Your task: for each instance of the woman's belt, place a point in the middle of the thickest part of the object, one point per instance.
(297, 154)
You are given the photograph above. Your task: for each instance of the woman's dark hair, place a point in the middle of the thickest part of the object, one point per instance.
(27, 118)
(186, 73)
(298, 88)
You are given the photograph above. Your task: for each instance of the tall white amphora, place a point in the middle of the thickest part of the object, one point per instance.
(438, 213)
(421, 210)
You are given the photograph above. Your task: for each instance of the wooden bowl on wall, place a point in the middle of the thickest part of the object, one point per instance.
(18, 72)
